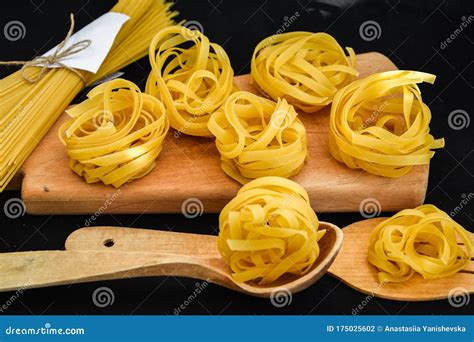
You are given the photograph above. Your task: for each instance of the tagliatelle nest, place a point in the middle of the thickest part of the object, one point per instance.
(269, 229)
(380, 124)
(191, 75)
(116, 134)
(424, 240)
(305, 68)
(257, 137)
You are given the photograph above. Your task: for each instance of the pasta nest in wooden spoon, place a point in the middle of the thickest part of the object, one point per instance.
(423, 240)
(269, 230)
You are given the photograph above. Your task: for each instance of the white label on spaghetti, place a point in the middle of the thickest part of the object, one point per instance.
(101, 32)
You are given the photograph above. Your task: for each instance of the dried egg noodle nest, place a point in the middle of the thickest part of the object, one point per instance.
(423, 240)
(267, 230)
(116, 134)
(192, 81)
(257, 137)
(305, 68)
(380, 124)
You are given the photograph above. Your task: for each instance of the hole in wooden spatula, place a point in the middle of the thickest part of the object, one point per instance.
(109, 243)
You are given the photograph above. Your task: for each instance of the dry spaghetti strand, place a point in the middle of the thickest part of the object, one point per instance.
(381, 125)
(269, 230)
(303, 67)
(423, 240)
(257, 137)
(116, 134)
(191, 75)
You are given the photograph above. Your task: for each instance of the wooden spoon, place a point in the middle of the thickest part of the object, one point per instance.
(104, 253)
(352, 268)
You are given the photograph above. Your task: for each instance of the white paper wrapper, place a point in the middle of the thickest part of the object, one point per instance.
(101, 32)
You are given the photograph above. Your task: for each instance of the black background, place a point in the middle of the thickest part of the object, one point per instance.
(411, 35)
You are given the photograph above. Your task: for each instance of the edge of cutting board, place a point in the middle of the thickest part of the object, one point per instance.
(188, 168)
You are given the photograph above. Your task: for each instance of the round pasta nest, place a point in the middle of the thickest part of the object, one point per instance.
(305, 68)
(257, 137)
(424, 240)
(192, 77)
(381, 125)
(115, 135)
(268, 230)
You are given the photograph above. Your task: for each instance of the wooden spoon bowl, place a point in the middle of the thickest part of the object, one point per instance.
(351, 267)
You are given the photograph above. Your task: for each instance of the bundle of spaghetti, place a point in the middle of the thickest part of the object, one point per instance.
(305, 68)
(381, 125)
(116, 134)
(192, 76)
(424, 240)
(257, 137)
(269, 230)
(30, 109)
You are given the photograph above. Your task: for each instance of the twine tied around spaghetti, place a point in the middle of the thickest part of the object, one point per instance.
(60, 53)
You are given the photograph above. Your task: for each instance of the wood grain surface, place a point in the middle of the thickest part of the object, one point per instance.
(189, 167)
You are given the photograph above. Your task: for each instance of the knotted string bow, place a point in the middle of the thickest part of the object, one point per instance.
(44, 62)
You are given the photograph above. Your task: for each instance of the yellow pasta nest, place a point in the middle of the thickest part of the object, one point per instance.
(116, 134)
(423, 240)
(192, 77)
(257, 137)
(380, 124)
(268, 230)
(305, 68)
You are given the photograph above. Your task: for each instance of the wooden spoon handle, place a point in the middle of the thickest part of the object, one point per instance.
(134, 253)
(143, 240)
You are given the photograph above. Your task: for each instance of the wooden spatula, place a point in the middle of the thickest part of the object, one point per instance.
(352, 268)
(103, 253)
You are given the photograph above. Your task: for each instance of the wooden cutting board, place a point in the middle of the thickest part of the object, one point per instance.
(189, 167)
